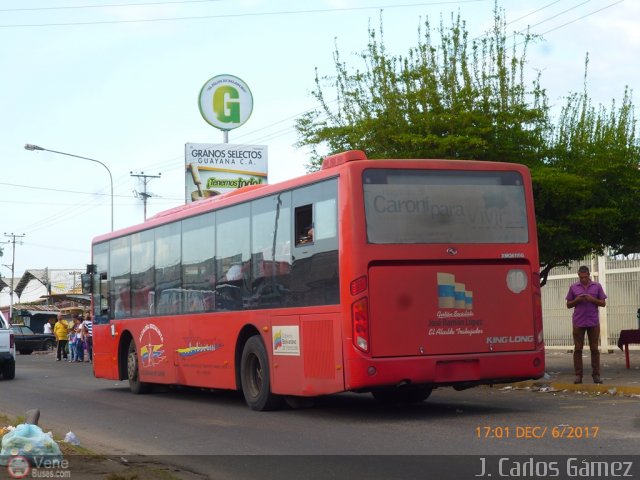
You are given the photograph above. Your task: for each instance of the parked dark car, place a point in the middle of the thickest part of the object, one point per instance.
(27, 341)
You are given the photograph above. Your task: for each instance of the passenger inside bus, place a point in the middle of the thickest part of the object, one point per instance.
(307, 236)
(304, 224)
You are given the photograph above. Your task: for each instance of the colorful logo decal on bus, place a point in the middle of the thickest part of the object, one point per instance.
(277, 341)
(152, 355)
(196, 349)
(452, 294)
(151, 344)
(455, 309)
(286, 340)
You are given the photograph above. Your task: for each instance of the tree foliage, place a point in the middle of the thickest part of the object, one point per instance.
(588, 191)
(468, 99)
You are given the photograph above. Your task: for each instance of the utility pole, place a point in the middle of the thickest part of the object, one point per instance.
(13, 237)
(144, 195)
(76, 275)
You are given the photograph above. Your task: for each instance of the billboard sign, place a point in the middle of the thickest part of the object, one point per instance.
(212, 169)
(225, 102)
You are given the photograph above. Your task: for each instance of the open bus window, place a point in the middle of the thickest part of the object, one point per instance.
(304, 224)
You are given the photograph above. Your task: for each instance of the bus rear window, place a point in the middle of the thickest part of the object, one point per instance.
(444, 206)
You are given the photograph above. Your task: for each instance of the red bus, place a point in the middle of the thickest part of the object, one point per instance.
(386, 276)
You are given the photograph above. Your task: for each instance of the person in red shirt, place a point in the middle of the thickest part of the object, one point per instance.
(585, 297)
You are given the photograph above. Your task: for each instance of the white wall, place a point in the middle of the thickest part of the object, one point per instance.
(620, 278)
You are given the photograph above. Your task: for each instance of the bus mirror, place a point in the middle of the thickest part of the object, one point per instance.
(91, 268)
(87, 283)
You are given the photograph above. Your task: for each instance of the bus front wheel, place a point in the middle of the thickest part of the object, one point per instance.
(133, 371)
(255, 377)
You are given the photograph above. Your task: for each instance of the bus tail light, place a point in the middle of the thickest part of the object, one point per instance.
(360, 319)
(537, 310)
(11, 340)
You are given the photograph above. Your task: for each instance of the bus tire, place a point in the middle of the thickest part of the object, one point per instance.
(9, 371)
(406, 394)
(133, 371)
(255, 377)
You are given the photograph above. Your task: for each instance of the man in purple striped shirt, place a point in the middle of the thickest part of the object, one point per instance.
(585, 296)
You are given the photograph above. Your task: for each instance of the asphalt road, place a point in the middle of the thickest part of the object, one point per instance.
(108, 419)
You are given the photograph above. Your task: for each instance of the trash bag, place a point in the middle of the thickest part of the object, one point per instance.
(31, 442)
(71, 438)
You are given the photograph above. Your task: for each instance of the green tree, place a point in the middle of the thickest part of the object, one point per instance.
(587, 193)
(459, 99)
(467, 99)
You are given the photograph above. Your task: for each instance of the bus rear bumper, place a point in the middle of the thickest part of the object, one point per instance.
(458, 371)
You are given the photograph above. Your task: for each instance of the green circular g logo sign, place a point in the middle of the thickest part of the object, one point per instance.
(225, 102)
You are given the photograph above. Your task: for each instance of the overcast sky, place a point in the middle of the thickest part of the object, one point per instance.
(120, 84)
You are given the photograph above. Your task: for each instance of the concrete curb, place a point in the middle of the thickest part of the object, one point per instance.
(582, 387)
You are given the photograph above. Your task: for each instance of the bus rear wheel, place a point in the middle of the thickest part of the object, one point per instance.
(133, 371)
(9, 371)
(255, 377)
(406, 394)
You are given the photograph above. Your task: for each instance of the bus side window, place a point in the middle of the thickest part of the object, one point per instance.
(101, 298)
(304, 224)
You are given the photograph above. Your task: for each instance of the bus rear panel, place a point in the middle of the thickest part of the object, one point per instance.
(449, 260)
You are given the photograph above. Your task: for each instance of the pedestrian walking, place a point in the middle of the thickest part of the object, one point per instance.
(72, 337)
(80, 341)
(61, 331)
(585, 297)
(88, 336)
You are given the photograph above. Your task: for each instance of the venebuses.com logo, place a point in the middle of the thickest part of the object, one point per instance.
(20, 466)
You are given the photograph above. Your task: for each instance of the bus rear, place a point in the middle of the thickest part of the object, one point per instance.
(443, 276)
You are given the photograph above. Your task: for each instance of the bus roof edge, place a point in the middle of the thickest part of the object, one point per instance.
(344, 157)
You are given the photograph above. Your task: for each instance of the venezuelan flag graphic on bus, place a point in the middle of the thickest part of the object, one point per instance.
(152, 355)
(192, 350)
(277, 340)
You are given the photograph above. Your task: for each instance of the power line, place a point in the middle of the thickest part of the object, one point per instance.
(56, 247)
(60, 190)
(583, 17)
(535, 11)
(569, 22)
(241, 15)
(559, 14)
(106, 5)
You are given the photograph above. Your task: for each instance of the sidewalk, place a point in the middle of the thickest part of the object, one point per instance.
(616, 377)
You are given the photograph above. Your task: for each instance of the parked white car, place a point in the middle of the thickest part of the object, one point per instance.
(7, 350)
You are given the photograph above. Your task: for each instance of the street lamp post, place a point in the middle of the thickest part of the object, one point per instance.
(36, 147)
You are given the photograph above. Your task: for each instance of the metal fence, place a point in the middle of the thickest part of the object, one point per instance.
(620, 278)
